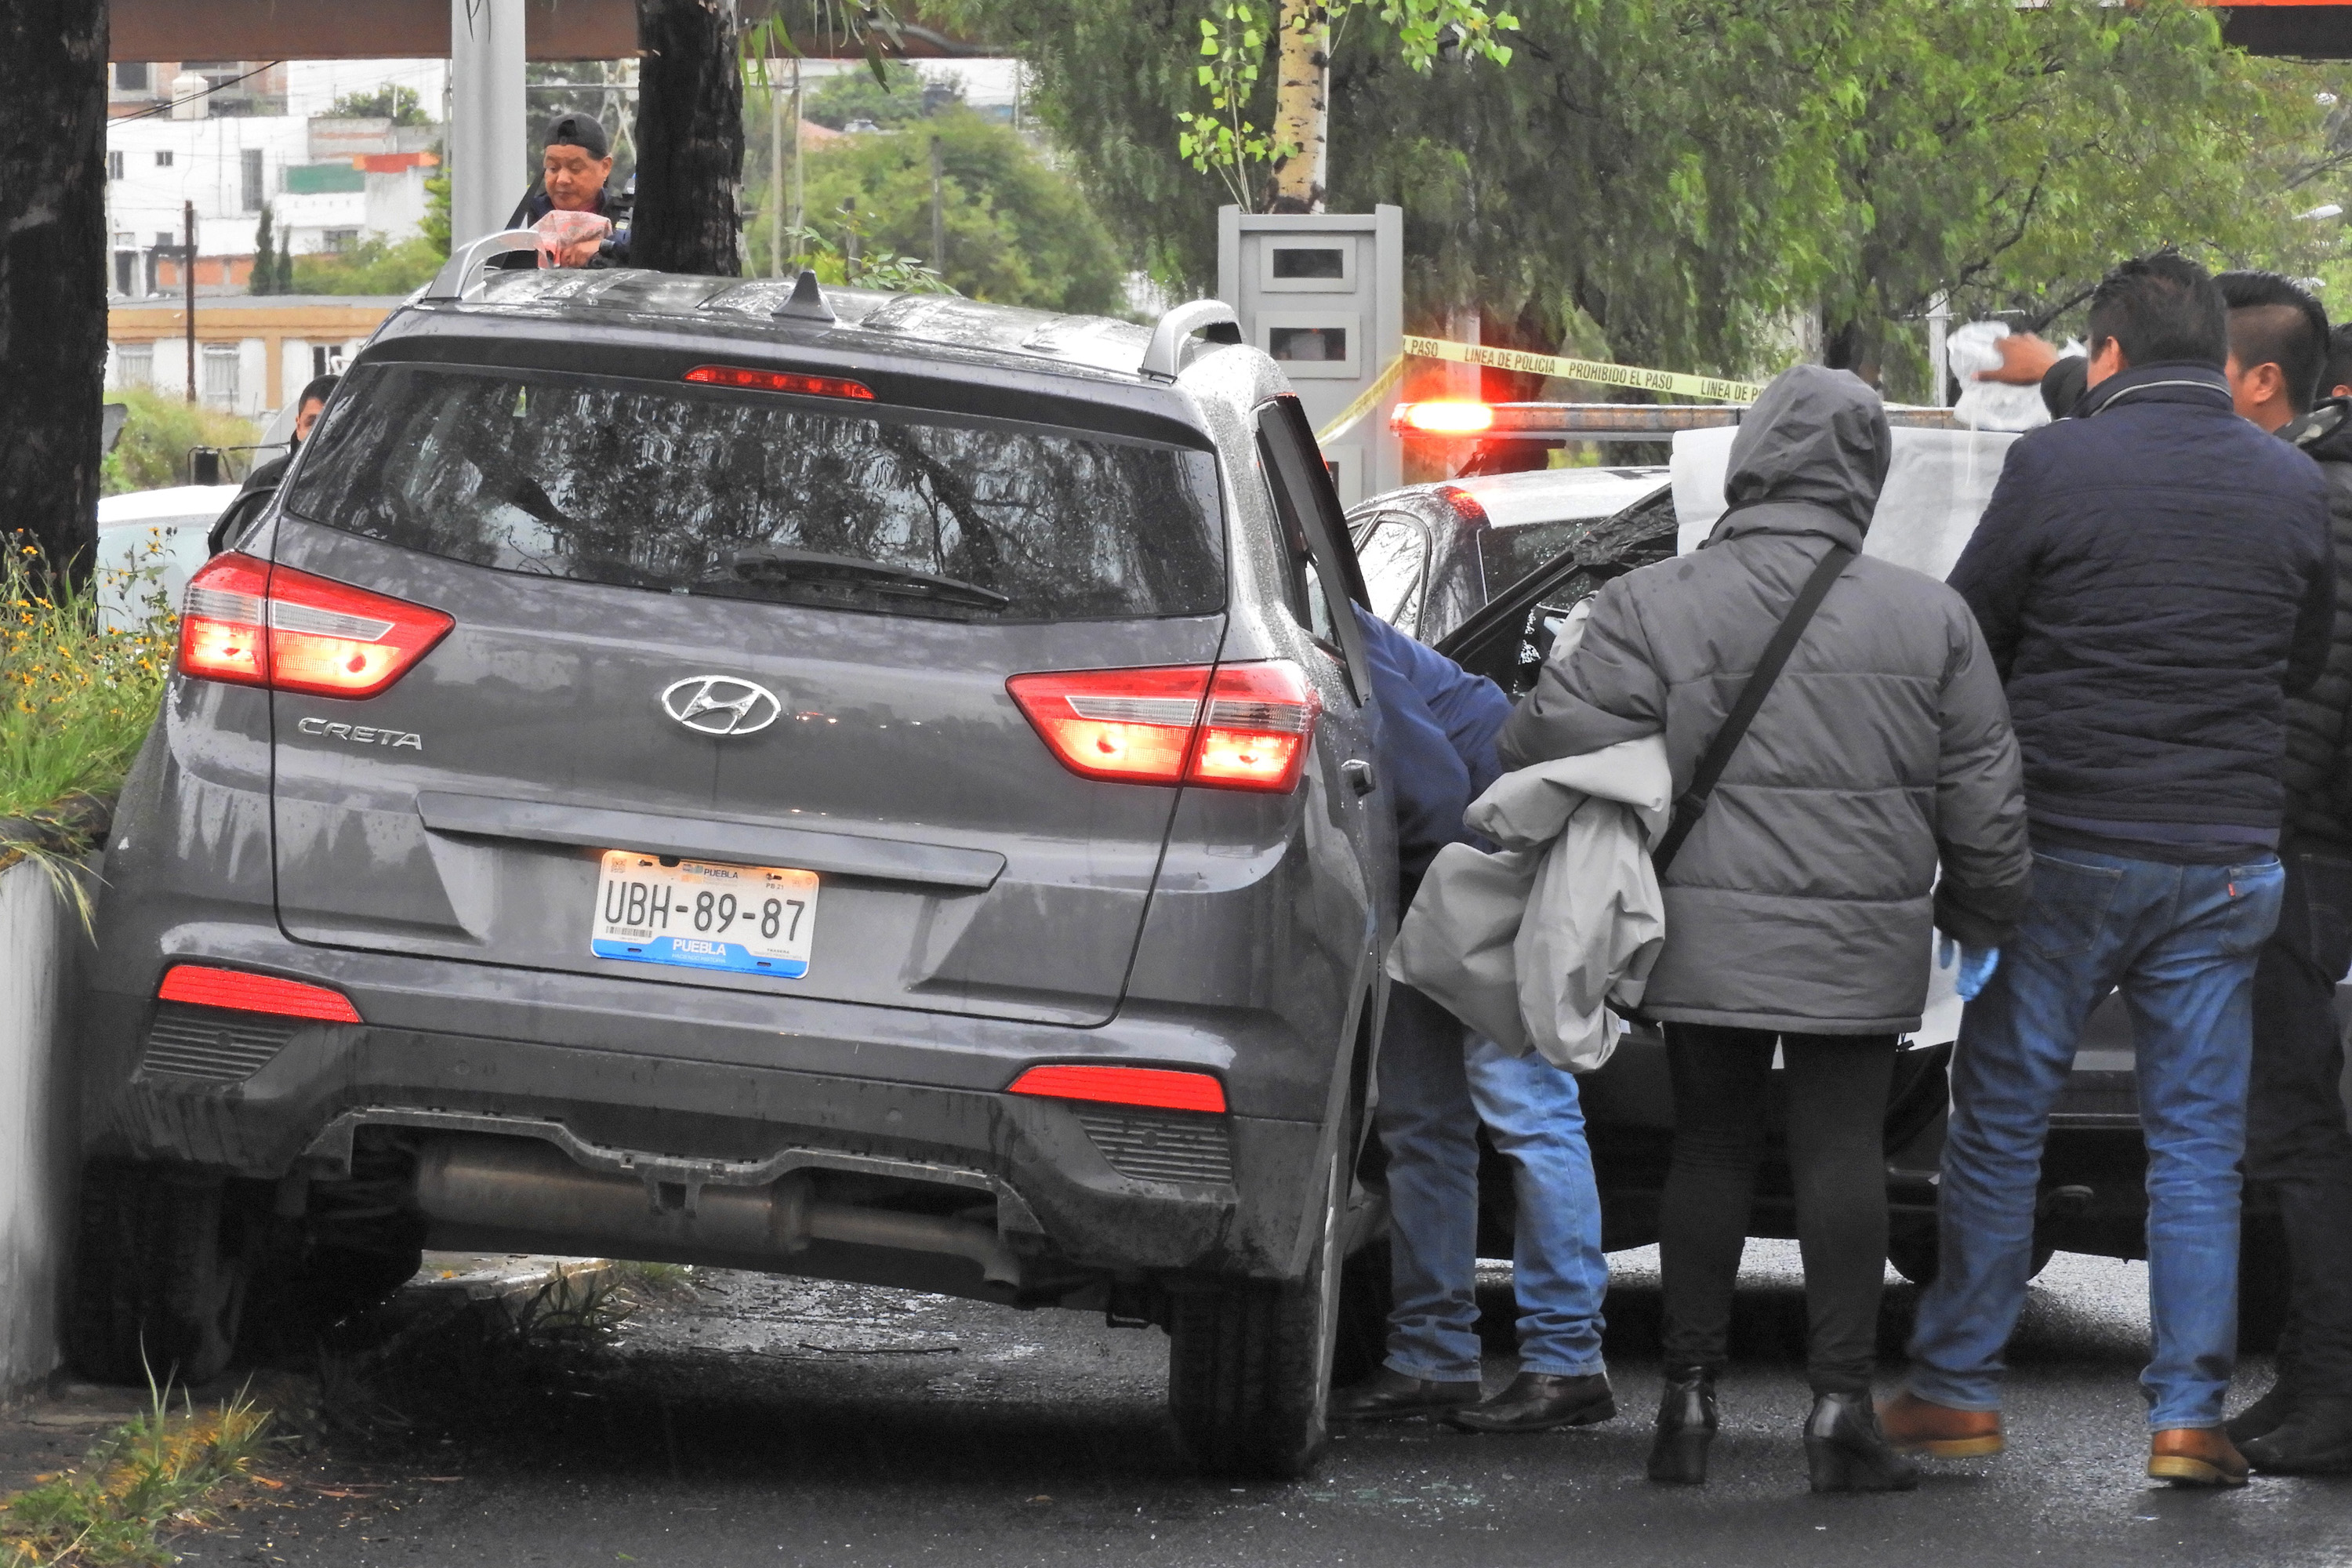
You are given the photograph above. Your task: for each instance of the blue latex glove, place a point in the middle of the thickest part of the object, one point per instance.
(1977, 964)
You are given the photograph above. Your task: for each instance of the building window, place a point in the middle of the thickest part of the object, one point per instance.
(130, 76)
(126, 270)
(327, 360)
(134, 364)
(249, 170)
(163, 158)
(165, 240)
(219, 362)
(339, 239)
(114, 166)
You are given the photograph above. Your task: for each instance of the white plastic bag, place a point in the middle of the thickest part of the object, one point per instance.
(1992, 405)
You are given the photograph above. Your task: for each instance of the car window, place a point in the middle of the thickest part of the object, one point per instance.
(1507, 554)
(1394, 550)
(757, 495)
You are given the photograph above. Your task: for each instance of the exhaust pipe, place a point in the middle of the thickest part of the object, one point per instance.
(523, 1185)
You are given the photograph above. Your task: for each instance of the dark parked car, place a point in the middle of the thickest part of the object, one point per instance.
(841, 784)
(2093, 1196)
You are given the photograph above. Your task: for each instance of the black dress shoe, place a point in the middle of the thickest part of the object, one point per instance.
(1846, 1452)
(2265, 1415)
(1388, 1395)
(1686, 1421)
(1536, 1401)
(2315, 1441)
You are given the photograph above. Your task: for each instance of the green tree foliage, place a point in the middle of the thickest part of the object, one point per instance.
(374, 265)
(1695, 183)
(1019, 231)
(158, 430)
(398, 104)
(273, 264)
(837, 100)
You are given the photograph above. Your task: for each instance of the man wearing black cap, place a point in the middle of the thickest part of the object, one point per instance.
(577, 160)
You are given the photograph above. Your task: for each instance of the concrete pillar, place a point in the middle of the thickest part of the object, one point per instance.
(488, 150)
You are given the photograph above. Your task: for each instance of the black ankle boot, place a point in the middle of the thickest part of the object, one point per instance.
(1847, 1453)
(1686, 1422)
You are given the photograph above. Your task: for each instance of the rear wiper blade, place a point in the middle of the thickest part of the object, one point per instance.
(774, 564)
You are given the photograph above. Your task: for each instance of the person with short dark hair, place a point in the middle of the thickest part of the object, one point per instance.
(2154, 578)
(2336, 376)
(263, 482)
(2298, 1149)
(575, 166)
(2278, 346)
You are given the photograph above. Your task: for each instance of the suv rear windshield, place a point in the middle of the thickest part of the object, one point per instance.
(683, 488)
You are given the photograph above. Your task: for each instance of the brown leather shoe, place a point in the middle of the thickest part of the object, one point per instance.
(1915, 1425)
(2196, 1457)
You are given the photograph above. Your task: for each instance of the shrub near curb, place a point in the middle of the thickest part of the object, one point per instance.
(76, 700)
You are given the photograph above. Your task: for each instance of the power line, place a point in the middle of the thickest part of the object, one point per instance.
(174, 103)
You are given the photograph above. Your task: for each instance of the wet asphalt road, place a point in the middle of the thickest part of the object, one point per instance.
(763, 1421)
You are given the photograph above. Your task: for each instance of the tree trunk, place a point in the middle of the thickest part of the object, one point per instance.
(689, 137)
(52, 272)
(1302, 110)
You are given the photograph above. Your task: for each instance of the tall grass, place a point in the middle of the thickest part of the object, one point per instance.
(76, 696)
(148, 1475)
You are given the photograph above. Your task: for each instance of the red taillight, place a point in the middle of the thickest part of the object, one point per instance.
(259, 625)
(1164, 1088)
(777, 380)
(1443, 418)
(1241, 726)
(202, 985)
(1254, 734)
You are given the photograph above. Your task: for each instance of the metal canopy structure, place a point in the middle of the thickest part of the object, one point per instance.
(419, 29)
(2301, 28)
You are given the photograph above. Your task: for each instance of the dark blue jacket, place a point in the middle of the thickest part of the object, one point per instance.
(2154, 577)
(1436, 741)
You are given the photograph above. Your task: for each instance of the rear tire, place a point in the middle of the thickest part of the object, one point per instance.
(300, 1295)
(160, 1284)
(1249, 1362)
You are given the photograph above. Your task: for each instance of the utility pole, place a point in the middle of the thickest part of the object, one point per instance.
(800, 184)
(188, 284)
(938, 215)
(775, 179)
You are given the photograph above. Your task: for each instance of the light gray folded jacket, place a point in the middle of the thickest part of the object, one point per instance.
(1532, 945)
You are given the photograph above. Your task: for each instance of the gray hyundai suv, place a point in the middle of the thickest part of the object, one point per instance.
(849, 785)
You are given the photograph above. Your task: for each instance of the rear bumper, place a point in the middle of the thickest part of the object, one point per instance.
(624, 1093)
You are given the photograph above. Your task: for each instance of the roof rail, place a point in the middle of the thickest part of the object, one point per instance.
(461, 276)
(1212, 316)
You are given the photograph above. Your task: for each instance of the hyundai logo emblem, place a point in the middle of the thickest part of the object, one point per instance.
(720, 704)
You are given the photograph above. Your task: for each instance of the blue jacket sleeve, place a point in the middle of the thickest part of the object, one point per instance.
(1436, 747)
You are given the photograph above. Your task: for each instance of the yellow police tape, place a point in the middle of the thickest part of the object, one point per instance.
(1598, 370)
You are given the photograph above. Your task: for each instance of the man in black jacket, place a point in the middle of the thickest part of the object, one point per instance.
(2297, 1144)
(2153, 577)
(575, 169)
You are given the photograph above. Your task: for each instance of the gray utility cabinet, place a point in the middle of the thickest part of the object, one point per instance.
(1323, 294)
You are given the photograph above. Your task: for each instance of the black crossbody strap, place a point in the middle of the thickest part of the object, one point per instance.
(1692, 804)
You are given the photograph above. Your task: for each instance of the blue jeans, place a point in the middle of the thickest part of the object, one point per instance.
(1438, 1083)
(2180, 941)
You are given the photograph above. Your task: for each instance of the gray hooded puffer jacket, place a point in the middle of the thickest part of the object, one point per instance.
(1802, 900)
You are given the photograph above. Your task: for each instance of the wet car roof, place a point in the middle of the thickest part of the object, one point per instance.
(946, 325)
(1558, 495)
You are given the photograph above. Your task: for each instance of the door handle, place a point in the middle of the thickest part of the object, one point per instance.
(1359, 774)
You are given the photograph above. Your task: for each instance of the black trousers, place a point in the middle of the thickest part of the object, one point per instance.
(2297, 1145)
(1837, 1086)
